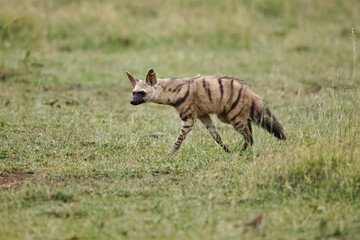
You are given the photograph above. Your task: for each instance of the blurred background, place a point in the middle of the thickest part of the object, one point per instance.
(64, 41)
(90, 165)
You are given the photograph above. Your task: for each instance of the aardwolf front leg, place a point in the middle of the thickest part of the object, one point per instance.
(185, 129)
(206, 120)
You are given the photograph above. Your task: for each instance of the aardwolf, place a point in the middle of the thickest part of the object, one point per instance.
(196, 97)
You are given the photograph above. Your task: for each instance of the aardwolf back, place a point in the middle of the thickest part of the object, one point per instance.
(195, 98)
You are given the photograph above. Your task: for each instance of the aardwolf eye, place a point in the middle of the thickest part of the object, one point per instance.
(142, 93)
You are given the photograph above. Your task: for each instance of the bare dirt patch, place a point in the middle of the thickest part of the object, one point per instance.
(9, 179)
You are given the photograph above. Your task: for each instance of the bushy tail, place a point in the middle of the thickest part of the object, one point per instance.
(264, 118)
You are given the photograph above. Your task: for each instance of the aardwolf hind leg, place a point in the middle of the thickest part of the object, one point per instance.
(206, 120)
(246, 130)
(185, 129)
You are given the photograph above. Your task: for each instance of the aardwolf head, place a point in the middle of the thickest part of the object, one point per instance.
(143, 90)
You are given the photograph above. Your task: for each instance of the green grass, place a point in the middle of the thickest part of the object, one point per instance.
(91, 166)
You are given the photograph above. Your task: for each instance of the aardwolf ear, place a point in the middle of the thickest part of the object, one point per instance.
(151, 78)
(132, 79)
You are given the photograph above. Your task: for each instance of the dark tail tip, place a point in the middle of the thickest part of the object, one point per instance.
(276, 129)
(271, 124)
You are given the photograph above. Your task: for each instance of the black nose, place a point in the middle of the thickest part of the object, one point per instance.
(136, 100)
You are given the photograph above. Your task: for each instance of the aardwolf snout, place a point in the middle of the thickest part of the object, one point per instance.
(136, 100)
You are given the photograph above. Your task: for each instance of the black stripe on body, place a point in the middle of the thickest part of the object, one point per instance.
(236, 101)
(182, 99)
(252, 108)
(236, 115)
(231, 91)
(207, 89)
(221, 88)
(241, 110)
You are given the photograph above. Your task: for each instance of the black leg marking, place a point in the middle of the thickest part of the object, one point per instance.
(206, 120)
(187, 117)
(185, 129)
(246, 130)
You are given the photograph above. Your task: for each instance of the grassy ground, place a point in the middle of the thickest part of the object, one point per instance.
(77, 161)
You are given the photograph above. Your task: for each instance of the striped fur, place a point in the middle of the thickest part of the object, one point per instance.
(195, 98)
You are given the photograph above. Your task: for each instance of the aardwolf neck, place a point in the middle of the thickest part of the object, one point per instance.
(168, 90)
